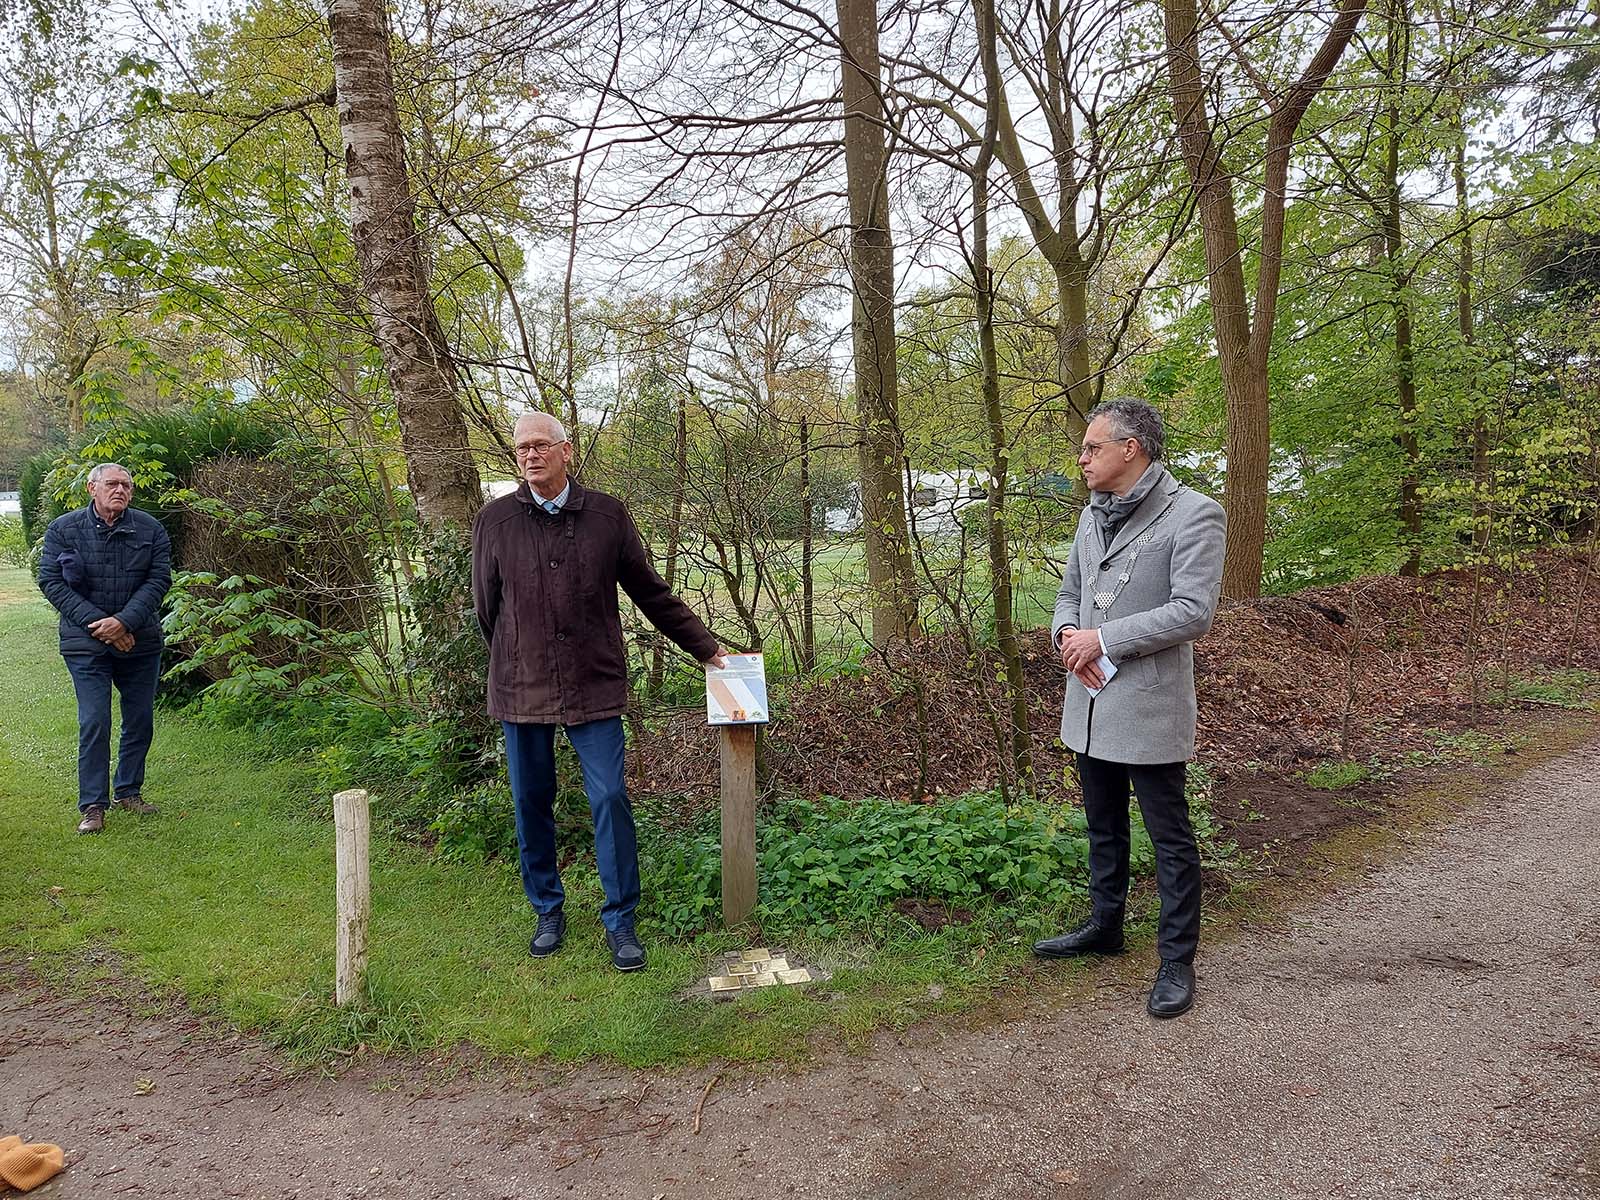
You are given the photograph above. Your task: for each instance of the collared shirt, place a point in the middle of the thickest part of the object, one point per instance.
(554, 506)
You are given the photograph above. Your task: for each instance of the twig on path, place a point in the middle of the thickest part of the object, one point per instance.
(653, 1126)
(699, 1109)
(593, 1158)
(29, 1113)
(639, 1099)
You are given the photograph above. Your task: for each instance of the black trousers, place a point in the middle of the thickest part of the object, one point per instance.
(1166, 818)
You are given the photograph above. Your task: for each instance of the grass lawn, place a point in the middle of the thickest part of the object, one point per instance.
(226, 899)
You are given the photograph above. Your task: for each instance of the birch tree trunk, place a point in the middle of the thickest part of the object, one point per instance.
(439, 467)
(890, 576)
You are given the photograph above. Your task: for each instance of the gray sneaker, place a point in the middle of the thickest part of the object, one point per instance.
(547, 938)
(626, 952)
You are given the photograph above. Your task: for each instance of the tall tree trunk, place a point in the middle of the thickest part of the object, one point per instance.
(1410, 509)
(1005, 626)
(1057, 240)
(1244, 338)
(808, 582)
(891, 579)
(1072, 343)
(439, 466)
(1480, 420)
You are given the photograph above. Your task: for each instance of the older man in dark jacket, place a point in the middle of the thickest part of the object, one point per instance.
(106, 568)
(546, 564)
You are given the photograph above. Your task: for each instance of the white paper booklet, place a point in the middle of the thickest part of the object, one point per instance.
(1108, 669)
(737, 693)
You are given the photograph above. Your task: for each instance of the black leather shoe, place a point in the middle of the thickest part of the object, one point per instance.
(548, 936)
(1089, 938)
(1173, 991)
(626, 952)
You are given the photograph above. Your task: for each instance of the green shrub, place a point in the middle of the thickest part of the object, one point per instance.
(448, 651)
(829, 863)
(161, 449)
(14, 545)
(31, 489)
(477, 824)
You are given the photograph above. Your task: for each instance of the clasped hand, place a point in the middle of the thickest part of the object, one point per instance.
(1080, 654)
(113, 632)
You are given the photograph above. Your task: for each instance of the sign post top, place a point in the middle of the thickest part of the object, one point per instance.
(737, 693)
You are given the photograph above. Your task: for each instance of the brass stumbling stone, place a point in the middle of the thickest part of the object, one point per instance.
(751, 969)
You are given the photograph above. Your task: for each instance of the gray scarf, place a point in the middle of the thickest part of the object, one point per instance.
(1111, 510)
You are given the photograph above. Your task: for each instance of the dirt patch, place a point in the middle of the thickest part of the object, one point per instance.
(932, 915)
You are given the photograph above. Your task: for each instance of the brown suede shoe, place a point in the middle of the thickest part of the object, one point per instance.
(94, 819)
(135, 805)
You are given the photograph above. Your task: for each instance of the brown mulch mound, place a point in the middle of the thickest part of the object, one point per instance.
(1357, 671)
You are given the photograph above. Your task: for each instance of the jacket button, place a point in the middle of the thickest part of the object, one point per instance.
(1106, 566)
(561, 637)
(552, 564)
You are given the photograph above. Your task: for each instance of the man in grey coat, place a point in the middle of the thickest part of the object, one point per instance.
(1141, 585)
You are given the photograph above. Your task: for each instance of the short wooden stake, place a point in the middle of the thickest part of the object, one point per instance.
(738, 822)
(352, 824)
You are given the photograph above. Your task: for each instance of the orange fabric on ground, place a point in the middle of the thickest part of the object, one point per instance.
(25, 1167)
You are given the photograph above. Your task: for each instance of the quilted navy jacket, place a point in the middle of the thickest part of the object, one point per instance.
(90, 570)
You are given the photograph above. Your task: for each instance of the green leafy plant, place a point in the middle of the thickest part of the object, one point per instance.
(829, 864)
(14, 548)
(1338, 775)
(476, 824)
(448, 651)
(1574, 688)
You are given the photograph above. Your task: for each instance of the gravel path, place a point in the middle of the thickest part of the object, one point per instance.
(1431, 1032)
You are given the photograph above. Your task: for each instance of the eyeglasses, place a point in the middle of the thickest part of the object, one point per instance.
(539, 448)
(1090, 449)
(116, 485)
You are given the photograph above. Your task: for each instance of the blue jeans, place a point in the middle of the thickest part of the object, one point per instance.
(92, 678)
(531, 763)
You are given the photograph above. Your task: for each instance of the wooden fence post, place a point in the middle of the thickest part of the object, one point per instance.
(352, 823)
(738, 744)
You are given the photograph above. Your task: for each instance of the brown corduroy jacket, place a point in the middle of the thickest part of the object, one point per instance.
(545, 591)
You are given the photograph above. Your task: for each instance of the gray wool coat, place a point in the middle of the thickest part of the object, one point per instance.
(1146, 712)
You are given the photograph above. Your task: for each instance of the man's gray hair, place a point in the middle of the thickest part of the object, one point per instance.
(561, 430)
(100, 469)
(1135, 419)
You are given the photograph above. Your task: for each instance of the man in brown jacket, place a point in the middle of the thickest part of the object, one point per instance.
(546, 564)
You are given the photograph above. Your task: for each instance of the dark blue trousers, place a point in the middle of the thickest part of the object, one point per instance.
(531, 763)
(135, 679)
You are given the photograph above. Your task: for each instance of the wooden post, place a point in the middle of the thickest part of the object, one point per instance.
(352, 825)
(738, 822)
